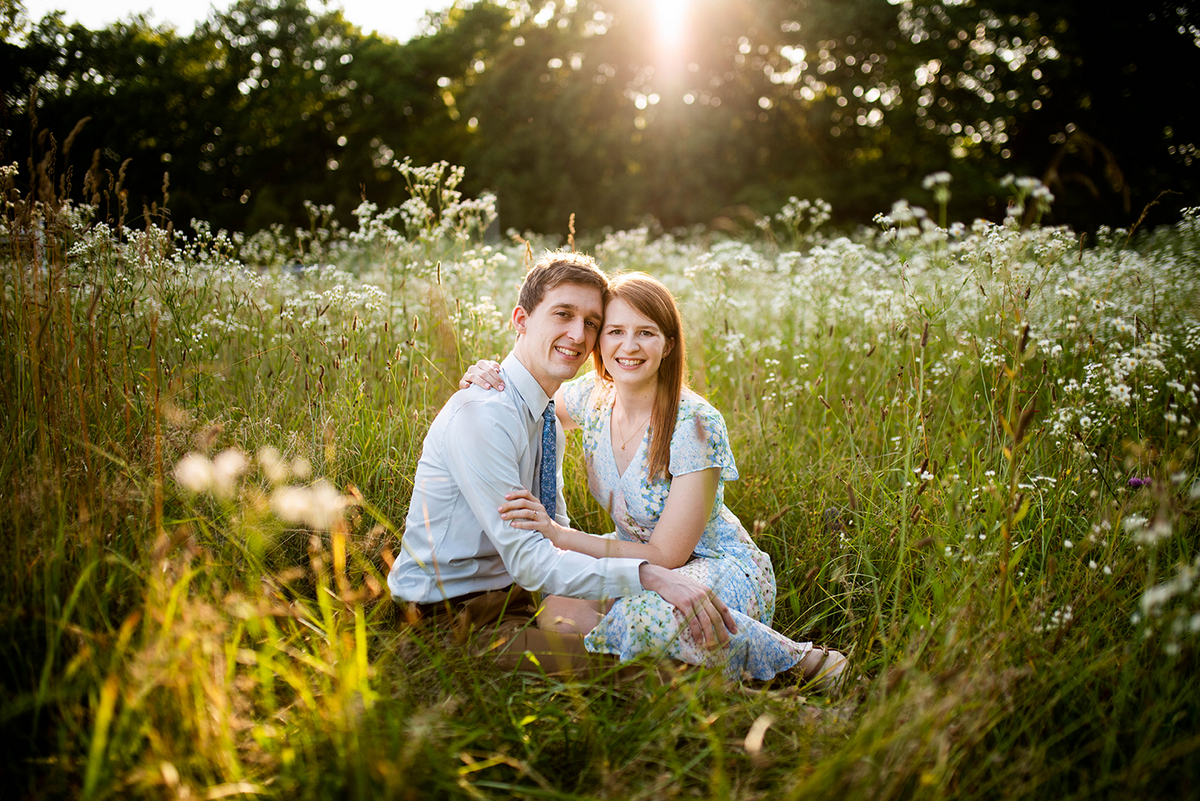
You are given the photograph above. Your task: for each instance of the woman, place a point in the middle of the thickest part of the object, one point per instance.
(657, 457)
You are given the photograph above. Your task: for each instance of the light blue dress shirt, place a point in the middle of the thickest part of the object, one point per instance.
(482, 445)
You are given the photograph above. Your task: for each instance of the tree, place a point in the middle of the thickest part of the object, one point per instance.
(263, 106)
(609, 110)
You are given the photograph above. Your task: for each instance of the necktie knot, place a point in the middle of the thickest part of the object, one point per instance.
(548, 478)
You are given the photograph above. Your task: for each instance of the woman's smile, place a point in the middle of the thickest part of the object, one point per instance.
(631, 343)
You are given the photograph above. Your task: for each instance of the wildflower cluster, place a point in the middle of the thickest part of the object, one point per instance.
(317, 505)
(1171, 609)
(1029, 196)
(800, 220)
(899, 345)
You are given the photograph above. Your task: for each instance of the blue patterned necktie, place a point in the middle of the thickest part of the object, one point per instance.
(547, 483)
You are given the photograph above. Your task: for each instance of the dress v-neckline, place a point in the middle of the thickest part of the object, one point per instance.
(612, 449)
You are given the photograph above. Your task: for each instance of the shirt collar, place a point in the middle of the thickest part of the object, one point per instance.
(530, 391)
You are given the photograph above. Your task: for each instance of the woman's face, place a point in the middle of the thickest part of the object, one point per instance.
(632, 346)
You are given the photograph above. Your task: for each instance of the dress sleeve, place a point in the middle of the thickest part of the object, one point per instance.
(578, 393)
(701, 441)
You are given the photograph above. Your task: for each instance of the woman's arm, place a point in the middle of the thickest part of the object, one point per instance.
(688, 507)
(483, 373)
(486, 373)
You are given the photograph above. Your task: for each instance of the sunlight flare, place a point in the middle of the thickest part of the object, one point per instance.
(671, 19)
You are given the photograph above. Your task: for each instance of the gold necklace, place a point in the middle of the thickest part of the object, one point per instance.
(637, 430)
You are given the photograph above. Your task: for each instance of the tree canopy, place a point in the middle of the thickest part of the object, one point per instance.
(685, 111)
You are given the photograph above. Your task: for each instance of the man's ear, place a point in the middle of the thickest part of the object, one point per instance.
(519, 318)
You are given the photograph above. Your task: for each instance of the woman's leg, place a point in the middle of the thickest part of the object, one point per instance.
(647, 624)
(569, 615)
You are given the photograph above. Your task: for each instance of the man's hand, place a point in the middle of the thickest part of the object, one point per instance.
(708, 618)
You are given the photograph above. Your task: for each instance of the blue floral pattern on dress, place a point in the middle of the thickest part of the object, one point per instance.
(725, 559)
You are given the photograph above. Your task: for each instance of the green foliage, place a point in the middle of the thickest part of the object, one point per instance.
(208, 449)
(592, 108)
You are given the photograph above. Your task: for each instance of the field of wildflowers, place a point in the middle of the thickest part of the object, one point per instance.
(209, 441)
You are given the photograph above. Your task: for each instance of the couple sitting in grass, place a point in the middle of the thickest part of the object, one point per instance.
(680, 578)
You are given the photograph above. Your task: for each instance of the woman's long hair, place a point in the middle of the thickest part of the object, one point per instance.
(652, 300)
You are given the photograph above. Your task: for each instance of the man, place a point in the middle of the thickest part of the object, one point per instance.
(458, 558)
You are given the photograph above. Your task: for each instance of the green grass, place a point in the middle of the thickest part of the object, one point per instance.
(1024, 620)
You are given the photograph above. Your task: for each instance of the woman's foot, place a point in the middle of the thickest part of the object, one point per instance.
(821, 668)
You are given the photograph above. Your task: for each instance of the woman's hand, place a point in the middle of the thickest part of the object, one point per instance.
(526, 512)
(483, 373)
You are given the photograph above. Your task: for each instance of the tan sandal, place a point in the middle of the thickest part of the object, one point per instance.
(826, 675)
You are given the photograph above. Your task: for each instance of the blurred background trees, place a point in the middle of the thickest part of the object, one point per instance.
(684, 111)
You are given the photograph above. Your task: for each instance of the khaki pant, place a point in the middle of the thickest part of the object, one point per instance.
(501, 624)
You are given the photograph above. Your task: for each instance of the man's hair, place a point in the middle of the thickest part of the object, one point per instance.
(560, 267)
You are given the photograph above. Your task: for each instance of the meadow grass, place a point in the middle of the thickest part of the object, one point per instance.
(209, 442)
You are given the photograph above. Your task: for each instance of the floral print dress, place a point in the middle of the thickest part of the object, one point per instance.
(725, 559)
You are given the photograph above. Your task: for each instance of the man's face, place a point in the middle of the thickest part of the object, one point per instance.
(557, 337)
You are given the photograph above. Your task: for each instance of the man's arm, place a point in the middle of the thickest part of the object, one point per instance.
(707, 616)
(482, 454)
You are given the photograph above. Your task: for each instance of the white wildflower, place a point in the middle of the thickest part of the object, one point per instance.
(935, 179)
(319, 506)
(1158, 531)
(195, 473)
(1133, 523)
(301, 468)
(273, 467)
(227, 466)
(1156, 597)
(1145, 532)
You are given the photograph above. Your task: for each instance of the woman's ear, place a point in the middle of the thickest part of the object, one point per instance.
(670, 347)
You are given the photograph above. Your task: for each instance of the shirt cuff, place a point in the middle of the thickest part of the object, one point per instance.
(624, 578)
